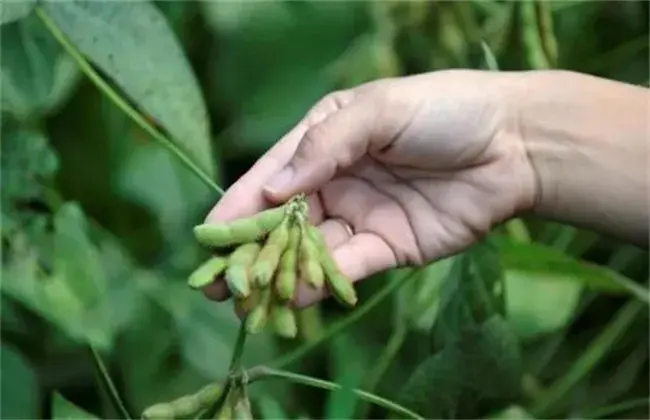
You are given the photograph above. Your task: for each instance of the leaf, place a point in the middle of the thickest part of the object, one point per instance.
(27, 162)
(483, 363)
(455, 312)
(12, 10)
(64, 409)
(536, 258)
(133, 44)
(540, 303)
(37, 76)
(490, 60)
(260, 79)
(348, 371)
(20, 391)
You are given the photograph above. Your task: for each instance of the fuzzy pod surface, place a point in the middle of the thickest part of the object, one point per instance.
(309, 266)
(269, 257)
(238, 271)
(287, 276)
(207, 272)
(337, 283)
(247, 229)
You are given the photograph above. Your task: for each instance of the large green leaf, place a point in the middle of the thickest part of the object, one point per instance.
(64, 409)
(260, 78)
(133, 44)
(540, 303)
(27, 162)
(483, 363)
(11, 10)
(536, 258)
(20, 392)
(37, 76)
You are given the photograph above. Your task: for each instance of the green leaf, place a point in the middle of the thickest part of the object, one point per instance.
(64, 409)
(348, 371)
(483, 363)
(27, 162)
(151, 67)
(37, 76)
(536, 258)
(490, 60)
(12, 10)
(20, 391)
(260, 79)
(540, 303)
(455, 312)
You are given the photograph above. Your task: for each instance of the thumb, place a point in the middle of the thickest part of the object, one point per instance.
(325, 149)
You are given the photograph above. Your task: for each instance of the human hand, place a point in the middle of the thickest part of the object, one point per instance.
(399, 171)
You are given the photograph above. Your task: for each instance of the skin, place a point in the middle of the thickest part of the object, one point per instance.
(421, 167)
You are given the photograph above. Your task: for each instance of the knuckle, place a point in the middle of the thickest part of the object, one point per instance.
(314, 142)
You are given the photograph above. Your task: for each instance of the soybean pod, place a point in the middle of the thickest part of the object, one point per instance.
(247, 229)
(339, 285)
(309, 266)
(238, 271)
(256, 320)
(207, 272)
(286, 276)
(284, 321)
(269, 257)
(159, 411)
(247, 304)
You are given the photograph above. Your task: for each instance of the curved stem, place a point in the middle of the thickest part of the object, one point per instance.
(111, 94)
(108, 383)
(261, 372)
(339, 326)
(597, 349)
(384, 361)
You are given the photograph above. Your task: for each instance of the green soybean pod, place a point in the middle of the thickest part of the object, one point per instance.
(159, 411)
(186, 406)
(286, 276)
(208, 394)
(207, 272)
(247, 229)
(284, 321)
(309, 265)
(340, 287)
(269, 257)
(256, 320)
(238, 271)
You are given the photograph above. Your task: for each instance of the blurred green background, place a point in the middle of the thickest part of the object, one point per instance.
(97, 216)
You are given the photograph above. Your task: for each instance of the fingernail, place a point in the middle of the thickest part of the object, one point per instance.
(281, 180)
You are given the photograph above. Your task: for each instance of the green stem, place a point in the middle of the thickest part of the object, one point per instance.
(233, 371)
(596, 350)
(104, 87)
(261, 372)
(395, 343)
(108, 383)
(339, 326)
(610, 410)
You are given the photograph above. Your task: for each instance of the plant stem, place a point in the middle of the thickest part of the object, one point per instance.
(108, 383)
(261, 372)
(107, 90)
(596, 350)
(384, 361)
(339, 326)
(233, 371)
(610, 410)
(235, 361)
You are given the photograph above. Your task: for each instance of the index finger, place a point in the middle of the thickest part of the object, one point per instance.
(245, 197)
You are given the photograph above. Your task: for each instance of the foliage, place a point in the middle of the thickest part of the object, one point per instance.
(110, 111)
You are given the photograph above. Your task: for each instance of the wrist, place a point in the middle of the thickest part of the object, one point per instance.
(586, 142)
